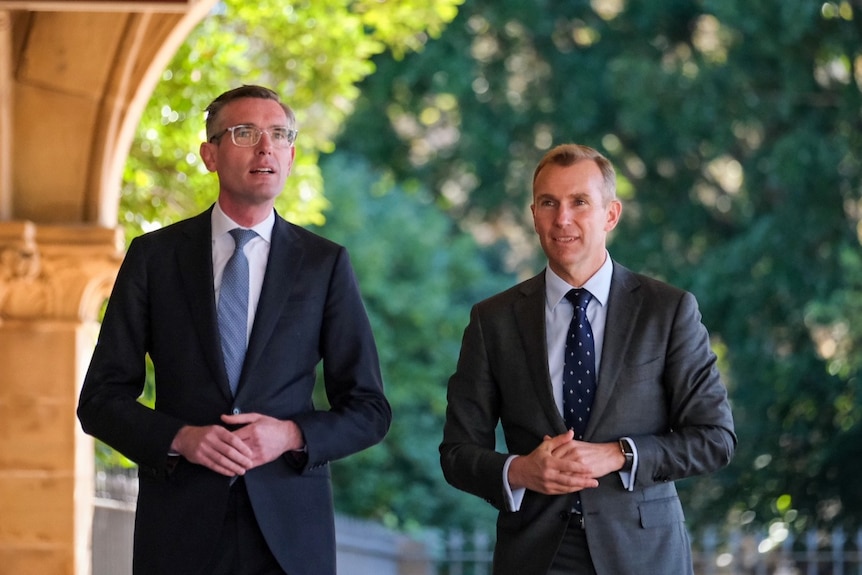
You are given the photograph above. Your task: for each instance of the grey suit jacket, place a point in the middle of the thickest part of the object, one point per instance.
(310, 311)
(658, 384)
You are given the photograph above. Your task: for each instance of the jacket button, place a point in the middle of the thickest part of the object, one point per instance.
(236, 411)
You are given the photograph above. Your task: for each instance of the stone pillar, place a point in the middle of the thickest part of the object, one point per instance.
(5, 115)
(53, 282)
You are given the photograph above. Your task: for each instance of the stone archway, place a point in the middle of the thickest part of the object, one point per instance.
(74, 78)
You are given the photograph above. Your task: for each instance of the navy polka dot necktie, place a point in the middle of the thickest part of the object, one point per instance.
(579, 372)
(233, 308)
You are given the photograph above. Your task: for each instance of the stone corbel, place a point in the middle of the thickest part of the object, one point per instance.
(50, 272)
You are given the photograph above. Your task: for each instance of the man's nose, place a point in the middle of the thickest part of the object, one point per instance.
(564, 215)
(265, 143)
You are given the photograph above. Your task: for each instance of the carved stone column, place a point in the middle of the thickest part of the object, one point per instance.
(53, 281)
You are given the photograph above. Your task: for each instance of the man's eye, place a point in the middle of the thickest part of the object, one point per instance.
(281, 134)
(242, 132)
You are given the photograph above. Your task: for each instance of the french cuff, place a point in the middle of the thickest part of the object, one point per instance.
(628, 477)
(513, 497)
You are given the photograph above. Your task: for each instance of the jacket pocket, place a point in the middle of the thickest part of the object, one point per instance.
(660, 512)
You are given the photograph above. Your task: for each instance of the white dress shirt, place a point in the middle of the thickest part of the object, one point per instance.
(256, 251)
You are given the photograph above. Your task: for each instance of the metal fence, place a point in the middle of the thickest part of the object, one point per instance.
(368, 548)
(772, 551)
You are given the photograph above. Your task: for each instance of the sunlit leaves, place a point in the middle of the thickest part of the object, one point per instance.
(313, 53)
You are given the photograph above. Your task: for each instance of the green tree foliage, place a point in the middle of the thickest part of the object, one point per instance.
(735, 130)
(312, 53)
(418, 279)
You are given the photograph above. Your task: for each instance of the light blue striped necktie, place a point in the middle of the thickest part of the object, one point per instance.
(233, 308)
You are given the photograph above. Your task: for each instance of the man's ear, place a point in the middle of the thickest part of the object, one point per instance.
(615, 209)
(209, 154)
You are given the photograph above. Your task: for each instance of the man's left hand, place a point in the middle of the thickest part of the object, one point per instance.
(267, 436)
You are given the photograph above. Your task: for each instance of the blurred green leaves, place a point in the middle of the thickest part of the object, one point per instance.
(419, 277)
(735, 130)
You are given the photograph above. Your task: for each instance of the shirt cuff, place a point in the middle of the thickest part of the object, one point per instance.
(628, 477)
(513, 497)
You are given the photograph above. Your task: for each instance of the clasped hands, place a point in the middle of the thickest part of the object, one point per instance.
(562, 465)
(257, 439)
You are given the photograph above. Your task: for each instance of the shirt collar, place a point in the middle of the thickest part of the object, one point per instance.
(222, 224)
(599, 284)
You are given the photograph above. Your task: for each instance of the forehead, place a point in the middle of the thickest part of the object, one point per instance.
(582, 177)
(257, 111)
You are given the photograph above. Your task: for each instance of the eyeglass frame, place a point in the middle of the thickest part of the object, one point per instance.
(291, 132)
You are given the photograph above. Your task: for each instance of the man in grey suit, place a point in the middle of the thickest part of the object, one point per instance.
(234, 463)
(598, 499)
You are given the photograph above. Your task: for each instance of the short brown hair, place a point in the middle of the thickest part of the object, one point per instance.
(245, 91)
(568, 154)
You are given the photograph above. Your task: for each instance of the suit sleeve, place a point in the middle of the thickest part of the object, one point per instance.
(700, 438)
(359, 414)
(108, 407)
(467, 453)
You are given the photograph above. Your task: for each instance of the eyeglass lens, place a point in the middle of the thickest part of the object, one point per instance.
(246, 136)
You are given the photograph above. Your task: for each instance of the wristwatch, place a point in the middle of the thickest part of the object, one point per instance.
(628, 452)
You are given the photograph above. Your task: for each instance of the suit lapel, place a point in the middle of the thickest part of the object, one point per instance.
(623, 305)
(530, 319)
(194, 260)
(282, 269)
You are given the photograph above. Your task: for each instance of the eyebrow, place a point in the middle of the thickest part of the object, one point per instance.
(572, 195)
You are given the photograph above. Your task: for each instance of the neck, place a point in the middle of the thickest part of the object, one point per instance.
(246, 215)
(578, 275)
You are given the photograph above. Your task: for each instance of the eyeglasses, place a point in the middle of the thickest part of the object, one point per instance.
(246, 136)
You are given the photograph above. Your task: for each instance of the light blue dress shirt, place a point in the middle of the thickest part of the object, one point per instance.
(558, 316)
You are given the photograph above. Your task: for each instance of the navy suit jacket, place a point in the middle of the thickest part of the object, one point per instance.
(658, 384)
(310, 312)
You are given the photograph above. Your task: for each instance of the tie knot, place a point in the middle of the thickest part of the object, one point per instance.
(242, 236)
(579, 297)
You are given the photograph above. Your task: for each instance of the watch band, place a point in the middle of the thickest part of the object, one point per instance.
(628, 453)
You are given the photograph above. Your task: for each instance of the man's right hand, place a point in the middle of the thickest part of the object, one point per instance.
(545, 472)
(213, 447)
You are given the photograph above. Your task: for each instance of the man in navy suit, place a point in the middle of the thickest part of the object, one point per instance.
(236, 482)
(603, 501)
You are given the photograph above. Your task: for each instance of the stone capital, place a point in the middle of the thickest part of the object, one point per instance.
(55, 272)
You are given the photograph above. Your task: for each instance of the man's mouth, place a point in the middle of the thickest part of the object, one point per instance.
(263, 171)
